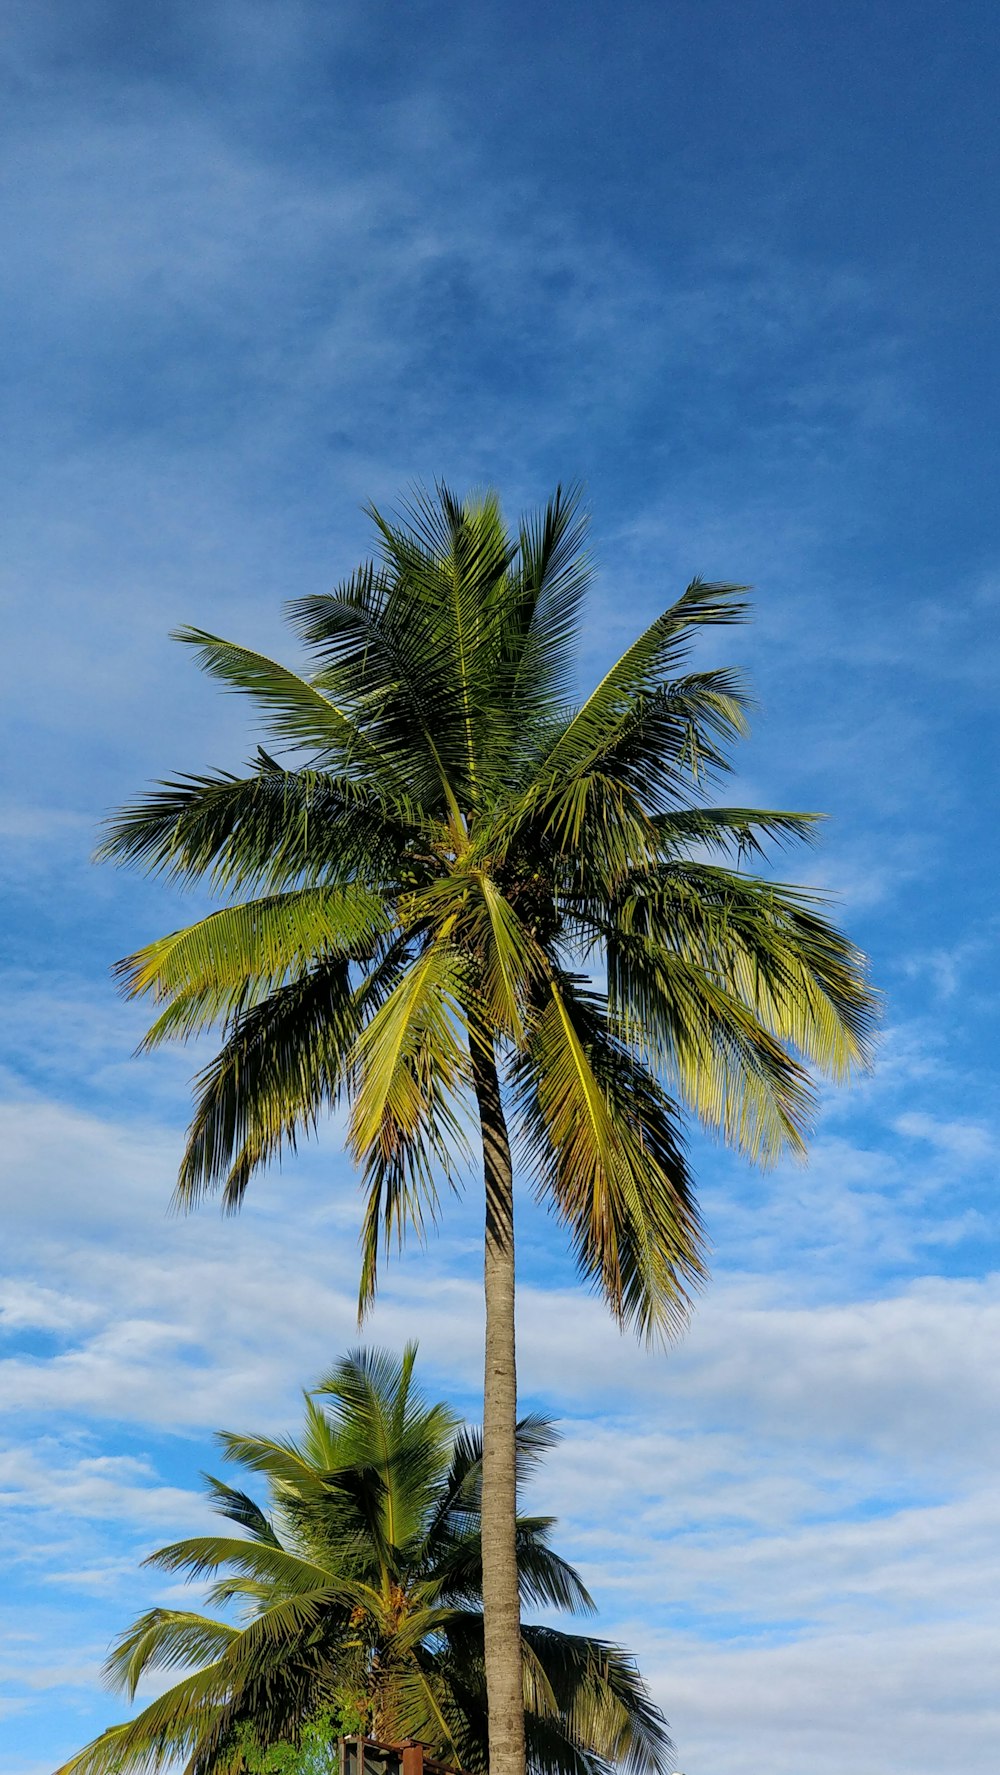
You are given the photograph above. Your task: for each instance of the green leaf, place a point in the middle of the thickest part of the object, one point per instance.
(602, 1141)
(293, 709)
(273, 829)
(284, 1062)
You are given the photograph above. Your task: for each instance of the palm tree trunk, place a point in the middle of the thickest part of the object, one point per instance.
(501, 1603)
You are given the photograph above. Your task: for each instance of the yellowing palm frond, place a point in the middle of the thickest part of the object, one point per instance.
(601, 1139)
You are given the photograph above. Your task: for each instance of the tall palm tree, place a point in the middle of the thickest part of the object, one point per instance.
(360, 1586)
(424, 888)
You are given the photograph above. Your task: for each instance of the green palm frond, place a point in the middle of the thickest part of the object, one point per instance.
(407, 1121)
(293, 710)
(605, 804)
(674, 736)
(413, 1041)
(166, 1639)
(724, 1060)
(546, 1580)
(768, 945)
(271, 830)
(240, 955)
(534, 1436)
(587, 1709)
(201, 1555)
(281, 1065)
(744, 831)
(640, 672)
(601, 1139)
(239, 1507)
(383, 657)
(541, 621)
(457, 570)
(596, 1690)
(380, 1416)
(173, 1726)
(508, 959)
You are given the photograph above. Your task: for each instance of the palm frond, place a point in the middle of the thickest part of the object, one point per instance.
(600, 1697)
(604, 802)
(173, 1726)
(641, 670)
(587, 1710)
(241, 954)
(509, 961)
(764, 944)
(165, 1639)
(386, 1424)
(286, 1464)
(294, 710)
(382, 655)
(602, 1141)
(281, 1065)
(202, 1555)
(411, 1068)
(461, 570)
(240, 1508)
(743, 830)
(545, 1579)
(273, 829)
(728, 1066)
(541, 623)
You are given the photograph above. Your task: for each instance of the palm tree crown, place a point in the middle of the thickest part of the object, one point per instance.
(360, 1593)
(448, 850)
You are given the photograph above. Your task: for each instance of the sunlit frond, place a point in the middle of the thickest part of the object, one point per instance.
(239, 1507)
(407, 1124)
(768, 945)
(640, 671)
(605, 802)
(745, 831)
(240, 955)
(166, 1639)
(602, 1141)
(381, 654)
(171, 1727)
(384, 1420)
(587, 1710)
(541, 622)
(202, 1555)
(600, 1697)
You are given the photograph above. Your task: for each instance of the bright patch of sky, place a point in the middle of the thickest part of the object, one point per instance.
(735, 267)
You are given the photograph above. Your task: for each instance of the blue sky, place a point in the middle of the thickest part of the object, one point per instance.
(734, 267)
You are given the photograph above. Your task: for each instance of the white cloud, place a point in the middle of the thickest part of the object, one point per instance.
(912, 1699)
(960, 1141)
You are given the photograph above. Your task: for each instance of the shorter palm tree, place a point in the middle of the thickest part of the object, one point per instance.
(359, 1592)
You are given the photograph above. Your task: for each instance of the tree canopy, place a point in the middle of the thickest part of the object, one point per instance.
(353, 1594)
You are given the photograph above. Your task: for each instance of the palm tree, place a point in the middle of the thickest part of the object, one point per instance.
(360, 1587)
(423, 889)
